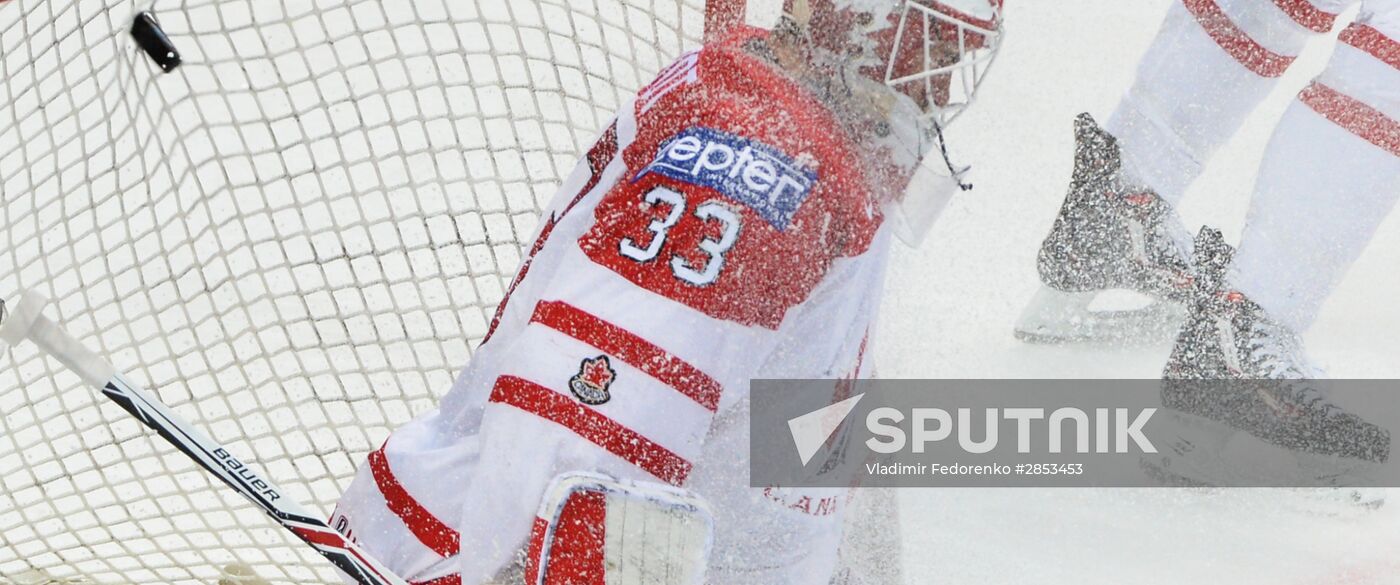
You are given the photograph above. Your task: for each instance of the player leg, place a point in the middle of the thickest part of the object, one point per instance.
(1245, 406)
(590, 529)
(1210, 65)
(1330, 175)
(398, 514)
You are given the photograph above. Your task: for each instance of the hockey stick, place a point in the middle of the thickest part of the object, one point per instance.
(28, 322)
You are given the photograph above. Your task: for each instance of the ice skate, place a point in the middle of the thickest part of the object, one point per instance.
(1108, 236)
(1203, 453)
(1248, 404)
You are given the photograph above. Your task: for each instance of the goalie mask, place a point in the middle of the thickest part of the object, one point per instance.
(935, 52)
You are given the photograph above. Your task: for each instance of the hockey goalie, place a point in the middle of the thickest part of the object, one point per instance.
(732, 222)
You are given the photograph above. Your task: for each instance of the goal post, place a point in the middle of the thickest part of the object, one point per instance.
(294, 238)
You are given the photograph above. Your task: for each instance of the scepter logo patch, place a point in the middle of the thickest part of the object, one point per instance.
(590, 384)
(755, 174)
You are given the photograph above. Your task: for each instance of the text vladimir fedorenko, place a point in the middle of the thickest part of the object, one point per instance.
(959, 469)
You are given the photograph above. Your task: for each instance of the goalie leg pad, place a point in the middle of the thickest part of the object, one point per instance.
(596, 530)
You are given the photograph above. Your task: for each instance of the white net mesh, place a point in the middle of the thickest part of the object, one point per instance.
(295, 239)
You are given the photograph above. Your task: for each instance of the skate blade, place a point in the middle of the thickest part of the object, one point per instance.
(1336, 502)
(1208, 454)
(1166, 478)
(1339, 503)
(1057, 317)
(1193, 456)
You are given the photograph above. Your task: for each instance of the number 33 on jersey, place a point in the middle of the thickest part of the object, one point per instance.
(718, 220)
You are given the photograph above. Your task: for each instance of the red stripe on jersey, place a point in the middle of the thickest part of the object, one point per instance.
(1372, 41)
(1356, 117)
(1303, 12)
(433, 533)
(533, 550)
(630, 348)
(602, 153)
(592, 425)
(1236, 42)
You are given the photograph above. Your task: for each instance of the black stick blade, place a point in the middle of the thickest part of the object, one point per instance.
(154, 42)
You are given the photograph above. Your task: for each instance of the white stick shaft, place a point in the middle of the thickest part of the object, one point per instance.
(28, 322)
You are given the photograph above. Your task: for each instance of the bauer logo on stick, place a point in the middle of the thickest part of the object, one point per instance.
(591, 383)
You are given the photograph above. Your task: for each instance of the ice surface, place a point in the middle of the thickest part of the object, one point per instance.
(948, 314)
(951, 304)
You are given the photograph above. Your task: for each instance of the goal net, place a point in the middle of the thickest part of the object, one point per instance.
(295, 239)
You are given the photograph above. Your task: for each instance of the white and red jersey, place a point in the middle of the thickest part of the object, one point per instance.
(720, 230)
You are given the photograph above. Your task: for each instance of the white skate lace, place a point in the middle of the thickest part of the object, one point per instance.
(1276, 353)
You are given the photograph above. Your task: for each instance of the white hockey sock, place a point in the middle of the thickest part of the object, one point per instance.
(1329, 177)
(1212, 62)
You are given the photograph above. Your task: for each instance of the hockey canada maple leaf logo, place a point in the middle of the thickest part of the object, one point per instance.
(590, 384)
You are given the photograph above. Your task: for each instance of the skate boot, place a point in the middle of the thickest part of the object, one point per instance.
(1108, 236)
(1247, 404)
